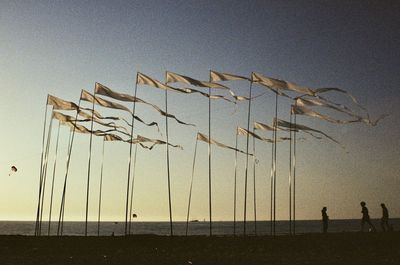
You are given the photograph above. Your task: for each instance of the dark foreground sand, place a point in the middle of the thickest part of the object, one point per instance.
(343, 248)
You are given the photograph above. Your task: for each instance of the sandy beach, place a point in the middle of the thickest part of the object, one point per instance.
(340, 248)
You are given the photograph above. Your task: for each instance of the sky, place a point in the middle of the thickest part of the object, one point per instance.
(62, 47)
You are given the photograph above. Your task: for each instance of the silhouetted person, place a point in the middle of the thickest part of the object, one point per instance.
(385, 218)
(365, 217)
(325, 219)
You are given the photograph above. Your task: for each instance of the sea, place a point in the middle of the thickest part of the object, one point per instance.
(221, 228)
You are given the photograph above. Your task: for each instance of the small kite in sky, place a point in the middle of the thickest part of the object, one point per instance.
(13, 169)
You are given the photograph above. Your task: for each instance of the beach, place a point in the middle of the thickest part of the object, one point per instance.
(335, 248)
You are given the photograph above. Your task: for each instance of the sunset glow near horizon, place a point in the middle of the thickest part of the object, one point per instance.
(59, 48)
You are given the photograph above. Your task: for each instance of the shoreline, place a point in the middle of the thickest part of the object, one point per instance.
(332, 248)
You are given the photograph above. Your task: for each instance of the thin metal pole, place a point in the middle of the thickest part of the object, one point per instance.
(247, 161)
(133, 185)
(101, 188)
(272, 183)
(60, 225)
(130, 161)
(294, 176)
(168, 169)
(46, 158)
(54, 175)
(275, 167)
(254, 184)
(63, 199)
(41, 169)
(89, 164)
(191, 186)
(290, 175)
(209, 158)
(235, 184)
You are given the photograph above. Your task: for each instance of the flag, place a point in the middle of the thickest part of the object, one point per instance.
(105, 91)
(263, 127)
(141, 139)
(174, 78)
(328, 89)
(217, 76)
(109, 104)
(320, 102)
(243, 131)
(299, 127)
(280, 84)
(60, 104)
(108, 124)
(301, 110)
(72, 123)
(204, 138)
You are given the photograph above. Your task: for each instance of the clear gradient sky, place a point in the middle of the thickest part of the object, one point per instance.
(61, 47)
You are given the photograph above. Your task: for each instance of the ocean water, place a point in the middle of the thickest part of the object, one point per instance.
(179, 228)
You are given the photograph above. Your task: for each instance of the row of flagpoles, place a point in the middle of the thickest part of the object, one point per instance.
(304, 100)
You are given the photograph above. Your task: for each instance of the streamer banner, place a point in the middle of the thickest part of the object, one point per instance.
(72, 123)
(265, 127)
(105, 91)
(321, 102)
(301, 110)
(299, 127)
(86, 96)
(217, 76)
(89, 117)
(329, 89)
(60, 104)
(146, 80)
(204, 138)
(243, 131)
(280, 84)
(141, 140)
(177, 78)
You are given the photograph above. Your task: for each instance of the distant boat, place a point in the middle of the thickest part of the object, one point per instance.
(194, 221)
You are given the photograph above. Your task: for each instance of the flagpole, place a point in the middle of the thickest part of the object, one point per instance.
(290, 175)
(254, 184)
(62, 202)
(41, 169)
(247, 160)
(54, 174)
(294, 176)
(209, 157)
(191, 186)
(130, 160)
(46, 157)
(133, 182)
(101, 188)
(275, 167)
(168, 169)
(60, 226)
(272, 183)
(89, 164)
(234, 185)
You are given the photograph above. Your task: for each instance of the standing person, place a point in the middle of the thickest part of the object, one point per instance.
(325, 219)
(365, 218)
(385, 218)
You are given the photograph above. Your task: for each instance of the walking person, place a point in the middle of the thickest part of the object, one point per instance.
(325, 219)
(365, 218)
(385, 218)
